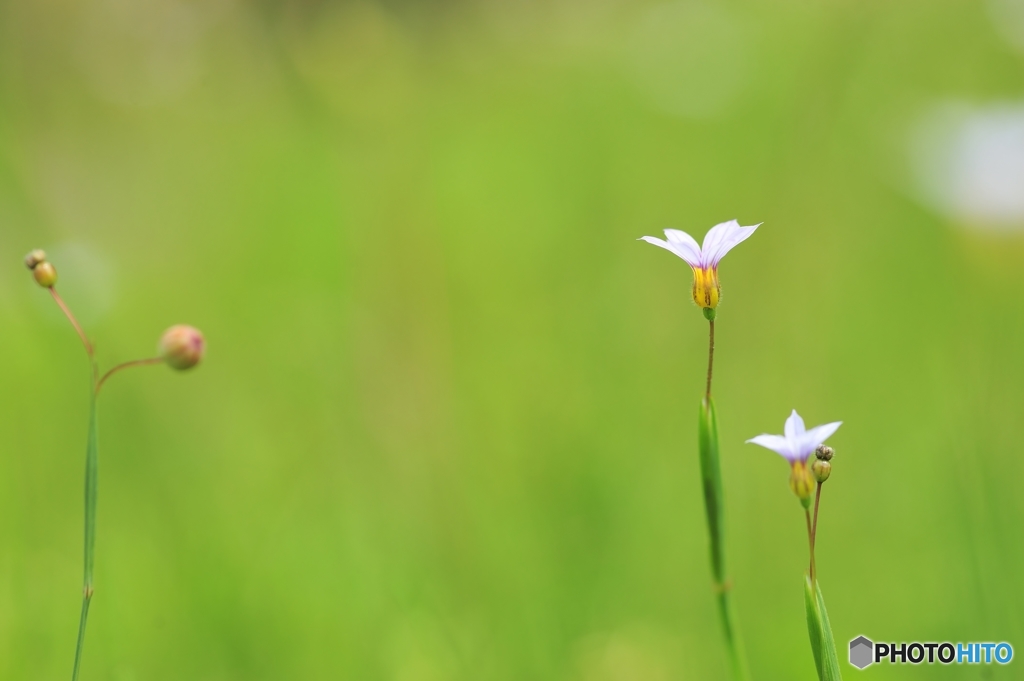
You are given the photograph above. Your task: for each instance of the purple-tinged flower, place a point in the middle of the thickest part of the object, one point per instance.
(797, 445)
(704, 260)
(182, 346)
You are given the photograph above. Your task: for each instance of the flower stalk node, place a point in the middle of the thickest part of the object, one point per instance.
(723, 587)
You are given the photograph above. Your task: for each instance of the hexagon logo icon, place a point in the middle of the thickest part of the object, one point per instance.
(861, 650)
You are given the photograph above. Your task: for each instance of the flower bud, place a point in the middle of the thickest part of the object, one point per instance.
(45, 274)
(34, 258)
(706, 290)
(824, 452)
(801, 481)
(821, 470)
(182, 346)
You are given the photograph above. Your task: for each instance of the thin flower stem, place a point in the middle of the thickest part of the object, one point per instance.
(810, 541)
(711, 357)
(814, 525)
(74, 322)
(126, 365)
(91, 477)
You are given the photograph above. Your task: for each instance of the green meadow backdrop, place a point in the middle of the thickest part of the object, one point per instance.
(446, 426)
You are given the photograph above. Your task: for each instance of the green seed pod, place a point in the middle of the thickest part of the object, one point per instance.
(34, 258)
(709, 313)
(182, 347)
(45, 274)
(821, 470)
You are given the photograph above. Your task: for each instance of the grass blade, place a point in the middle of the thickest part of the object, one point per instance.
(823, 645)
(830, 659)
(91, 477)
(711, 478)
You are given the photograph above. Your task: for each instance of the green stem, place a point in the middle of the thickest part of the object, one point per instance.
(714, 506)
(81, 635)
(733, 644)
(91, 477)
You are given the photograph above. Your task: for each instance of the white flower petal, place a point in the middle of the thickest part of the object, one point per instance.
(713, 239)
(810, 440)
(675, 248)
(723, 238)
(686, 246)
(658, 242)
(776, 443)
(794, 427)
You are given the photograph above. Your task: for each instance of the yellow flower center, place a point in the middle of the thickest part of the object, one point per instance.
(800, 480)
(706, 290)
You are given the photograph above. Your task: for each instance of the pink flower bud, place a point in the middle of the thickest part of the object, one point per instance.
(182, 346)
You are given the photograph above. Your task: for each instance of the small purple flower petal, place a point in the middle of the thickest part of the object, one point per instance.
(794, 427)
(719, 240)
(817, 435)
(674, 248)
(776, 443)
(722, 239)
(798, 443)
(685, 246)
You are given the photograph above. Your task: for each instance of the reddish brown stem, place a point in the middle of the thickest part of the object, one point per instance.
(814, 525)
(711, 358)
(74, 322)
(810, 541)
(126, 365)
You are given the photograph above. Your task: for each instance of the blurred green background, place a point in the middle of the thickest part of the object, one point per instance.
(446, 425)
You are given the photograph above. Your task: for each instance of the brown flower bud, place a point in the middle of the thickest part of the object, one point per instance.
(182, 346)
(821, 470)
(34, 258)
(45, 274)
(824, 452)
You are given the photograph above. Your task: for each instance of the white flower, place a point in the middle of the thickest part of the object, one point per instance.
(704, 260)
(798, 443)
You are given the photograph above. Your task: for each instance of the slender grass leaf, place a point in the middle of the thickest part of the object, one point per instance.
(823, 646)
(711, 479)
(830, 659)
(91, 478)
